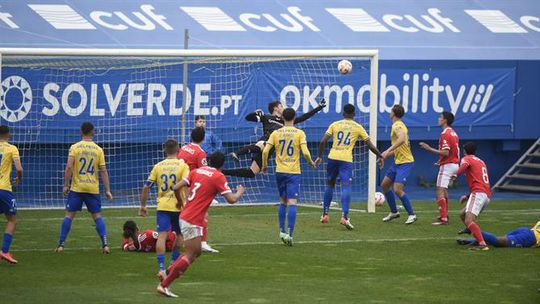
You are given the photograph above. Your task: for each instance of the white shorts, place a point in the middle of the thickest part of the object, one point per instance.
(477, 202)
(445, 173)
(190, 231)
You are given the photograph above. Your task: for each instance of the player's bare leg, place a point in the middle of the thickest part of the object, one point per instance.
(398, 189)
(10, 229)
(68, 219)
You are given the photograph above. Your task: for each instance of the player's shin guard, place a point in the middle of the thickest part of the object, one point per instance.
(101, 231)
(176, 270)
(477, 233)
(345, 200)
(328, 194)
(246, 172)
(443, 208)
(490, 238)
(407, 204)
(391, 199)
(291, 219)
(282, 213)
(7, 242)
(64, 230)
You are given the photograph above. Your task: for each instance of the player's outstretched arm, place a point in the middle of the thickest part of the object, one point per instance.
(443, 152)
(234, 197)
(106, 182)
(19, 168)
(256, 116)
(144, 198)
(322, 147)
(373, 148)
(68, 173)
(311, 113)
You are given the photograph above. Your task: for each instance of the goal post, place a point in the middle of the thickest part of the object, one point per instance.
(151, 76)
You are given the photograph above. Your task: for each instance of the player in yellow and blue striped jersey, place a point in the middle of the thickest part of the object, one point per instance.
(9, 156)
(85, 160)
(345, 134)
(288, 142)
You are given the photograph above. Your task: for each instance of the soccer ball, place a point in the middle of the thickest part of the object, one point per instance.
(344, 67)
(379, 199)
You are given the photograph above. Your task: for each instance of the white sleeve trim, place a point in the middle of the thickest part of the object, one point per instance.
(186, 180)
(226, 191)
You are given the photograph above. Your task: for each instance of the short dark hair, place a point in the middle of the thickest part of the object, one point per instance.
(216, 159)
(4, 130)
(470, 148)
(289, 114)
(272, 105)
(449, 117)
(87, 128)
(197, 134)
(200, 117)
(349, 109)
(130, 227)
(170, 146)
(398, 110)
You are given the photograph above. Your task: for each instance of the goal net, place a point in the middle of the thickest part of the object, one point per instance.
(137, 102)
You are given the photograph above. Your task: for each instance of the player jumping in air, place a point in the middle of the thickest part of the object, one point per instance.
(288, 143)
(400, 170)
(480, 192)
(165, 174)
(144, 241)
(9, 156)
(195, 157)
(448, 153)
(523, 237)
(204, 184)
(270, 122)
(85, 160)
(345, 133)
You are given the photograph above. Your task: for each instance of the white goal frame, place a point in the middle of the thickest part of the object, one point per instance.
(372, 54)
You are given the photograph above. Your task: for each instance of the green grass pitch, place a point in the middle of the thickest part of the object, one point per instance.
(375, 263)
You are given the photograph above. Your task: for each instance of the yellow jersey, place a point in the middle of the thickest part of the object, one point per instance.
(88, 157)
(288, 142)
(536, 230)
(345, 133)
(402, 154)
(165, 174)
(8, 153)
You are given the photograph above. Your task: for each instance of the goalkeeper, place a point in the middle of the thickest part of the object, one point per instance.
(270, 122)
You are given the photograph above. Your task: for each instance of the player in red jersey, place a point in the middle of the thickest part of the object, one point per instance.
(195, 157)
(204, 184)
(135, 240)
(448, 153)
(480, 192)
(192, 153)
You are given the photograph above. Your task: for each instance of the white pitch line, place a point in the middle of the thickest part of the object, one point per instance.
(267, 243)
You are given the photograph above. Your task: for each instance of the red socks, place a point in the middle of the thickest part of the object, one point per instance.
(204, 234)
(443, 208)
(477, 233)
(177, 269)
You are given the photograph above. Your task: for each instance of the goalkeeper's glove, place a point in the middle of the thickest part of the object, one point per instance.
(322, 103)
(259, 113)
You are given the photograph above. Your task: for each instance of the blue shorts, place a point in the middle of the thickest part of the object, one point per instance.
(8, 205)
(168, 220)
(288, 185)
(521, 238)
(343, 169)
(399, 173)
(75, 201)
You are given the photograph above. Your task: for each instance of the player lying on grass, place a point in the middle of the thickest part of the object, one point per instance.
(522, 237)
(288, 142)
(270, 122)
(9, 156)
(204, 184)
(480, 192)
(145, 241)
(345, 133)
